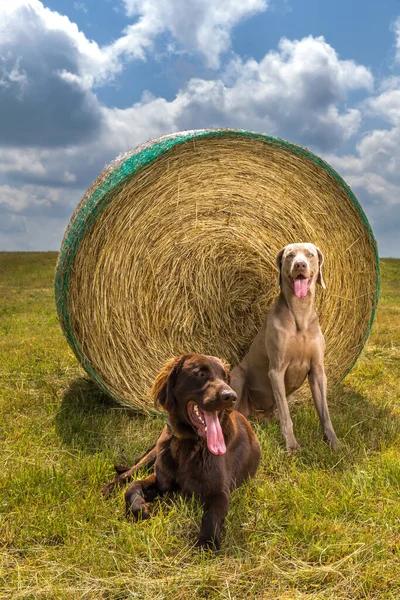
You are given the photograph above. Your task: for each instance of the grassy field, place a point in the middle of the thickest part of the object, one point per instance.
(320, 525)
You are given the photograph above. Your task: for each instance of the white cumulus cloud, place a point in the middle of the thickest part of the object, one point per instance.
(295, 92)
(203, 26)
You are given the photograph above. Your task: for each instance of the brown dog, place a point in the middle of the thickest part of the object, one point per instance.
(288, 348)
(207, 449)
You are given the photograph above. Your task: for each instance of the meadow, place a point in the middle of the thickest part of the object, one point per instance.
(318, 525)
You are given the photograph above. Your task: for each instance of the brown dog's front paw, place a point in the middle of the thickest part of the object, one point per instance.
(211, 543)
(136, 506)
(138, 513)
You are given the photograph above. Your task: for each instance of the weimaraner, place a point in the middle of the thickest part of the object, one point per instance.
(288, 348)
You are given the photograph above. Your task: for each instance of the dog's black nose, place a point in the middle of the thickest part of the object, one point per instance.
(301, 265)
(228, 396)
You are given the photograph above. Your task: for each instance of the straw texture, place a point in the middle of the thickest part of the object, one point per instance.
(172, 250)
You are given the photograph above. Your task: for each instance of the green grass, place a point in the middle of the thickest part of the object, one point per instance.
(320, 525)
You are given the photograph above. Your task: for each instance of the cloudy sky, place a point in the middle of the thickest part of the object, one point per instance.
(82, 81)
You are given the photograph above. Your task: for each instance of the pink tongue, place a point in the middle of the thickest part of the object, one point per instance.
(301, 287)
(215, 437)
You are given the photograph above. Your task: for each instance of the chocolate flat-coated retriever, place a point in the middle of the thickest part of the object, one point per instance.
(206, 449)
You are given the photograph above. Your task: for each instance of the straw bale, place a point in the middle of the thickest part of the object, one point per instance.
(172, 250)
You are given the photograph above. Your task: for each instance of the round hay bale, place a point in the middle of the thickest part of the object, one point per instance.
(172, 249)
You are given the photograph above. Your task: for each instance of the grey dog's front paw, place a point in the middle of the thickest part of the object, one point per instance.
(293, 446)
(333, 441)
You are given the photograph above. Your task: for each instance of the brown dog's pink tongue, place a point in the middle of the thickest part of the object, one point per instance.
(301, 287)
(215, 437)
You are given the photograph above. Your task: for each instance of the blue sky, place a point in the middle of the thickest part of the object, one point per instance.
(82, 81)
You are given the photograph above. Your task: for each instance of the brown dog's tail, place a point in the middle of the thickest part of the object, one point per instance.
(146, 460)
(126, 473)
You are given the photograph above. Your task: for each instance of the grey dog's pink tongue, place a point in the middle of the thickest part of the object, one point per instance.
(215, 437)
(301, 287)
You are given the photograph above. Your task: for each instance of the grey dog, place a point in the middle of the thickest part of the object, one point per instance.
(288, 348)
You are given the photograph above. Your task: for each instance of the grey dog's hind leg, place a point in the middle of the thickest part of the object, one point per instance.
(238, 384)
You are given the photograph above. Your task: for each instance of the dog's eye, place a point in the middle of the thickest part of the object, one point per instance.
(290, 255)
(200, 374)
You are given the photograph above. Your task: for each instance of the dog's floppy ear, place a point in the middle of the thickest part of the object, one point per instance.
(320, 279)
(279, 264)
(162, 390)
